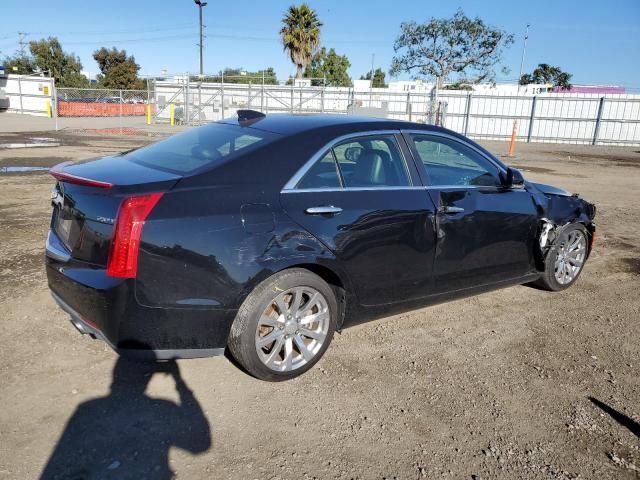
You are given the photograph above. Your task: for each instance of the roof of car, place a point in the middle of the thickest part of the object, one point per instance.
(289, 124)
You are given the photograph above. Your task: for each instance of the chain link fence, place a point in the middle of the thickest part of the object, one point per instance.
(105, 111)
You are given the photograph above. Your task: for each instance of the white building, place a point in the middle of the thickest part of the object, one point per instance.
(421, 86)
(412, 86)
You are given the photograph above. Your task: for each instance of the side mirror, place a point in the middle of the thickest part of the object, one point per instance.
(513, 179)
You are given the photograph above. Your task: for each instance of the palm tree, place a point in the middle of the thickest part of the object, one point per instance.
(300, 35)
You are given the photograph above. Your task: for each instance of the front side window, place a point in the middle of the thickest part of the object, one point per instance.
(363, 162)
(448, 162)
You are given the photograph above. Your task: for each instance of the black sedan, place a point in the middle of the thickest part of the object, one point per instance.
(263, 235)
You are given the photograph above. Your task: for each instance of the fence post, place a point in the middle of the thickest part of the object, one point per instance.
(409, 104)
(20, 94)
(222, 94)
(262, 94)
(322, 99)
(291, 106)
(352, 100)
(200, 101)
(148, 104)
(467, 113)
(54, 95)
(596, 130)
(249, 96)
(532, 117)
(120, 116)
(185, 111)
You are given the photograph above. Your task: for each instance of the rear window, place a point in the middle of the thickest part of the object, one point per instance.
(200, 147)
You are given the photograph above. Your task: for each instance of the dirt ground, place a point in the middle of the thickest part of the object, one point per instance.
(517, 383)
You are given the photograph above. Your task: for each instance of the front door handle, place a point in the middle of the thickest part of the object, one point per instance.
(448, 210)
(324, 210)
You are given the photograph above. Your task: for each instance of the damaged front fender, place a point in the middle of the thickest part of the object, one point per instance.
(558, 210)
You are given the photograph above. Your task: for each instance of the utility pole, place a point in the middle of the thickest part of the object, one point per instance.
(22, 45)
(201, 4)
(524, 51)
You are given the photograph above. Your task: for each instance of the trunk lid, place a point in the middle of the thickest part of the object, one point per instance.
(86, 199)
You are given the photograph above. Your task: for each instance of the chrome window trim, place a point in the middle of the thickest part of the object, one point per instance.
(391, 188)
(290, 186)
(386, 188)
(455, 139)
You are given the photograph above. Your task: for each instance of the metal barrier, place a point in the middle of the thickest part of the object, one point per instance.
(27, 94)
(612, 119)
(204, 102)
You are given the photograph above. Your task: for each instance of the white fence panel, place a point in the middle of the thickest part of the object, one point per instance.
(28, 94)
(549, 117)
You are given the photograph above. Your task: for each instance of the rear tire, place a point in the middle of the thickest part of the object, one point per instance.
(284, 326)
(565, 260)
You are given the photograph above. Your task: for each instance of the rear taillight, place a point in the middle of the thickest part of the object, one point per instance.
(123, 256)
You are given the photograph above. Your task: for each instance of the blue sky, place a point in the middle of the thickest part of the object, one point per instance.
(599, 42)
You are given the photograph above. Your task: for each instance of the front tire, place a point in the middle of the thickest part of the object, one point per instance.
(565, 259)
(284, 326)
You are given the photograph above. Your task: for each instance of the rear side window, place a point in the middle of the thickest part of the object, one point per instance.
(369, 161)
(323, 174)
(200, 147)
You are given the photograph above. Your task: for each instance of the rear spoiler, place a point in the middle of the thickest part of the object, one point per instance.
(58, 173)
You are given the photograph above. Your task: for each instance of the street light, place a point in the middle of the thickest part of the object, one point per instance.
(524, 50)
(201, 4)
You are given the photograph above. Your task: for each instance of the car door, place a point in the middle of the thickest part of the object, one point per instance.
(361, 198)
(485, 232)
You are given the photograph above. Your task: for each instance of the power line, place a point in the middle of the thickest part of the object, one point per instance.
(134, 40)
(183, 26)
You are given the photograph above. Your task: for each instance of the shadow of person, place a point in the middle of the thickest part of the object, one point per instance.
(621, 418)
(128, 434)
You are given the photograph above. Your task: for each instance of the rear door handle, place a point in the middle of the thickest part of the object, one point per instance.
(324, 210)
(448, 210)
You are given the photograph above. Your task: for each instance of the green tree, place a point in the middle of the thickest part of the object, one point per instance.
(20, 65)
(300, 35)
(546, 74)
(378, 78)
(49, 58)
(329, 66)
(118, 70)
(443, 46)
(458, 86)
